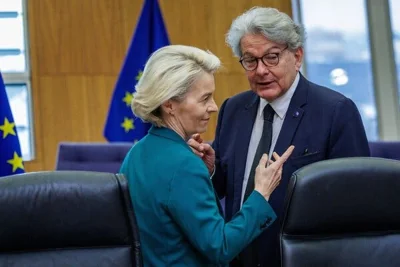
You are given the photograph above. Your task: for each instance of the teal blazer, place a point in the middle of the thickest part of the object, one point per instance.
(177, 211)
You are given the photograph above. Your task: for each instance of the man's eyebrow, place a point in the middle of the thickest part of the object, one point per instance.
(266, 51)
(247, 54)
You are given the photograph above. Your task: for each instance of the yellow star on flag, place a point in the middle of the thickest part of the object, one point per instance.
(7, 128)
(128, 98)
(16, 162)
(128, 124)
(139, 75)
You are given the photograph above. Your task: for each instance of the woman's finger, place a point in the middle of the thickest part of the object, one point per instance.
(278, 173)
(270, 161)
(195, 145)
(279, 162)
(198, 138)
(198, 153)
(263, 161)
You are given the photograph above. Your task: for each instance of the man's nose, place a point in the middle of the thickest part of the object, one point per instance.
(261, 68)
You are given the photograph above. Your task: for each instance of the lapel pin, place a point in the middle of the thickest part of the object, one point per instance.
(296, 114)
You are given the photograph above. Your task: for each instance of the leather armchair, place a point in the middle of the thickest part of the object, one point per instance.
(343, 212)
(67, 218)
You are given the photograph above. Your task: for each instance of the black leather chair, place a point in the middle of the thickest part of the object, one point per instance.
(67, 218)
(343, 212)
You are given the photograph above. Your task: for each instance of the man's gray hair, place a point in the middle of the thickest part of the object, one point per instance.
(276, 26)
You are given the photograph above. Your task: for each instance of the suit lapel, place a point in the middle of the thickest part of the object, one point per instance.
(293, 117)
(246, 118)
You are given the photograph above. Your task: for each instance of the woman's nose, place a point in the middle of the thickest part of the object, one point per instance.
(213, 107)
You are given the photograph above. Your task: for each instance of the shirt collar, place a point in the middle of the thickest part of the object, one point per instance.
(281, 104)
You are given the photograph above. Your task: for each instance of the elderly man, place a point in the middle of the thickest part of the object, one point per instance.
(282, 108)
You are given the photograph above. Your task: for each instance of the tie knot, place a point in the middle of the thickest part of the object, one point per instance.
(269, 113)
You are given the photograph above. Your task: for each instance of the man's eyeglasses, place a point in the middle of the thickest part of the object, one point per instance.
(269, 60)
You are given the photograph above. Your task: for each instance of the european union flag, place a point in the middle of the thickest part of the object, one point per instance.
(10, 151)
(149, 36)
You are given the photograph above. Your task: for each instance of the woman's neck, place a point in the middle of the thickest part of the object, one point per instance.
(176, 127)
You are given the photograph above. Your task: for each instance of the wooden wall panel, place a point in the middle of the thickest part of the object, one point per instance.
(71, 118)
(77, 48)
(77, 36)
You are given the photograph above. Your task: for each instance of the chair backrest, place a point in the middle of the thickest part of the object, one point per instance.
(100, 157)
(343, 212)
(385, 149)
(67, 218)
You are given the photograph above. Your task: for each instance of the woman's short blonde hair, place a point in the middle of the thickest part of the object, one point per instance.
(169, 74)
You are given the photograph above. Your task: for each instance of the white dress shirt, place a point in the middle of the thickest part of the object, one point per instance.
(280, 106)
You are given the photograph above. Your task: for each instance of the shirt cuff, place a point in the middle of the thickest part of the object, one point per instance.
(212, 173)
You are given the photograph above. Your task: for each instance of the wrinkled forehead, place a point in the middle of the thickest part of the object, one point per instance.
(257, 44)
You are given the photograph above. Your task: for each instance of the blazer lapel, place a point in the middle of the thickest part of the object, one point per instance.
(246, 118)
(293, 117)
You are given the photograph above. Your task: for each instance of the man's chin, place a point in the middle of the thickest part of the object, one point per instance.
(268, 94)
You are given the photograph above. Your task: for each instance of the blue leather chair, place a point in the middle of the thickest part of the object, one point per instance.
(100, 157)
(385, 149)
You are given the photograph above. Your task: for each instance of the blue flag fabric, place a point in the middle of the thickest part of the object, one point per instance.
(10, 151)
(150, 35)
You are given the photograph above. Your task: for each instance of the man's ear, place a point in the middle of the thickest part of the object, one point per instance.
(298, 55)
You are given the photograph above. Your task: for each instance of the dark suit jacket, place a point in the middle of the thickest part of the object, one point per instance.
(321, 123)
(176, 208)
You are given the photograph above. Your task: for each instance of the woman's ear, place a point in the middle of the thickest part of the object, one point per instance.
(168, 107)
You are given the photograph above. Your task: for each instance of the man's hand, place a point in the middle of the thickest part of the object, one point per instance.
(203, 150)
